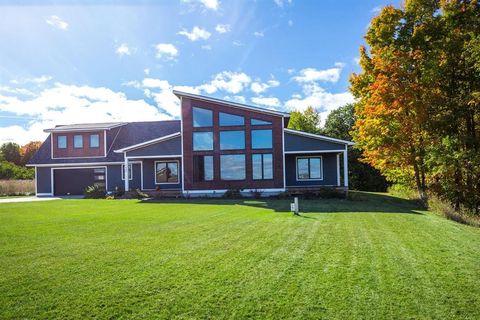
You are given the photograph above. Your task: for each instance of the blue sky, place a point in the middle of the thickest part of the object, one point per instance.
(74, 62)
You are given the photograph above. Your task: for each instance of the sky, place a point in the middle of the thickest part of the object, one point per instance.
(64, 62)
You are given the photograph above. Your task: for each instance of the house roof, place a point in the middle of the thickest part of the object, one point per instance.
(318, 136)
(127, 135)
(85, 126)
(230, 103)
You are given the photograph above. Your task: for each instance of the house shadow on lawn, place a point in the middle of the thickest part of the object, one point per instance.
(358, 202)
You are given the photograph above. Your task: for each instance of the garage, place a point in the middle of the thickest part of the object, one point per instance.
(73, 181)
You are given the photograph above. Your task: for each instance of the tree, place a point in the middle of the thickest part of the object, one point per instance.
(363, 176)
(11, 152)
(308, 120)
(27, 151)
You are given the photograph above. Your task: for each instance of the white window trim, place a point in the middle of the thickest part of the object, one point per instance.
(58, 140)
(77, 135)
(309, 157)
(166, 161)
(130, 169)
(90, 140)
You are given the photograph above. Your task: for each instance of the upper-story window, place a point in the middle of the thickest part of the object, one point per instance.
(227, 119)
(94, 141)
(232, 140)
(202, 141)
(202, 117)
(62, 142)
(258, 122)
(78, 141)
(261, 139)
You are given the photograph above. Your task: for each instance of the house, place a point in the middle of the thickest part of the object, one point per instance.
(216, 145)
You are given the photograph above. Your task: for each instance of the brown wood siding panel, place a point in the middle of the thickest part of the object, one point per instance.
(248, 183)
(71, 152)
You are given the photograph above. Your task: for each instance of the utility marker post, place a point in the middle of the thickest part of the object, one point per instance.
(294, 206)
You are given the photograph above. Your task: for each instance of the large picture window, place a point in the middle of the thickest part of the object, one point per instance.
(203, 168)
(227, 119)
(309, 168)
(232, 167)
(232, 140)
(261, 139)
(262, 165)
(202, 141)
(62, 142)
(166, 172)
(202, 117)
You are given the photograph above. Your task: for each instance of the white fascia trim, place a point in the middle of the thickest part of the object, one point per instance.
(318, 136)
(147, 143)
(314, 151)
(73, 164)
(85, 129)
(314, 185)
(230, 103)
(156, 157)
(241, 190)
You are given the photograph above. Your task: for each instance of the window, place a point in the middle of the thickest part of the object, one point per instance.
(202, 117)
(166, 172)
(262, 166)
(78, 141)
(258, 122)
(227, 119)
(94, 141)
(62, 142)
(261, 139)
(203, 168)
(309, 168)
(130, 172)
(232, 140)
(232, 167)
(202, 141)
(99, 178)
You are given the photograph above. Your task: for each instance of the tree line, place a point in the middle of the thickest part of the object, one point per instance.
(418, 98)
(13, 159)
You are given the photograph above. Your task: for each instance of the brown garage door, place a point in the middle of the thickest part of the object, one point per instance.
(74, 181)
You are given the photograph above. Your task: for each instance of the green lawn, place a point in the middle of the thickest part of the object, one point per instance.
(376, 257)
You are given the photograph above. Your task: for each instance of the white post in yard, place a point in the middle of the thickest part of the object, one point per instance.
(345, 167)
(125, 171)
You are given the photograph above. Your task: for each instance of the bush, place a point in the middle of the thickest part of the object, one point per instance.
(135, 194)
(9, 171)
(119, 192)
(17, 187)
(232, 194)
(94, 192)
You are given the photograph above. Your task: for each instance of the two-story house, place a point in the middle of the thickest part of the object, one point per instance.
(216, 145)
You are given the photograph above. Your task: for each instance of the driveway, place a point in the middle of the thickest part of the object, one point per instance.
(27, 199)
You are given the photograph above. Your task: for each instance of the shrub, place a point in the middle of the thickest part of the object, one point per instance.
(9, 170)
(135, 194)
(17, 187)
(119, 192)
(94, 192)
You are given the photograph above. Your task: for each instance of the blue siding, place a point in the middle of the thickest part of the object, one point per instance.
(114, 177)
(294, 142)
(329, 170)
(149, 175)
(169, 147)
(44, 180)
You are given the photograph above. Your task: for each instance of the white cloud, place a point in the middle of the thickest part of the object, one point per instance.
(196, 34)
(207, 47)
(123, 50)
(326, 75)
(16, 91)
(146, 71)
(238, 43)
(290, 22)
(63, 104)
(207, 4)
(259, 87)
(376, 9)
(281, 3)
(222, 28)
(166, 50)
(258, 34)
(356, 60)
(231, 82)
(269, 102)
(239, 99)
(317, 97)
(57, 22)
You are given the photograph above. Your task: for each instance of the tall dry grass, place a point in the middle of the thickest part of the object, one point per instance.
(17, 187)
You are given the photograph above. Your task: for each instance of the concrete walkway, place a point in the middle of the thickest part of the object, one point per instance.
(27, 199)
